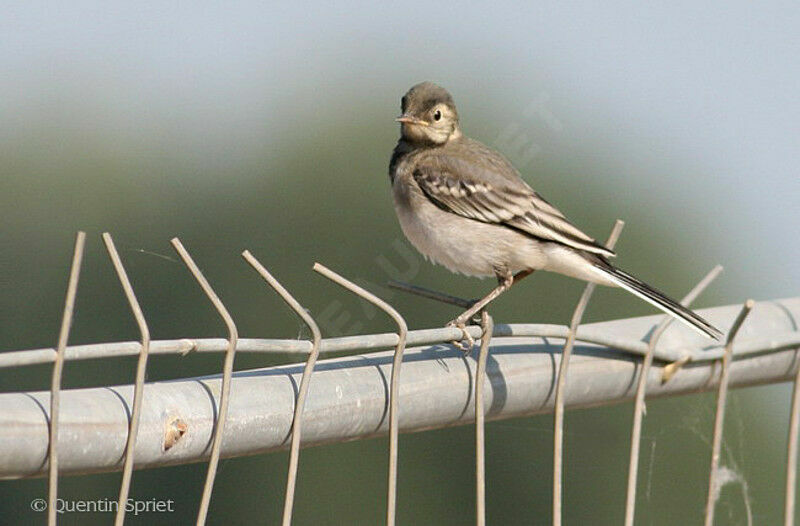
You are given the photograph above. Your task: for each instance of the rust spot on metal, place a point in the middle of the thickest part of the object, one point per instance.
(671, 368)
(173, 431)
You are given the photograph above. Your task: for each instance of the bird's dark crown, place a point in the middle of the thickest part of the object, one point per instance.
(424, 96)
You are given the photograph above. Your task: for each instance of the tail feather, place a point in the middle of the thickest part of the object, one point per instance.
(658, 299)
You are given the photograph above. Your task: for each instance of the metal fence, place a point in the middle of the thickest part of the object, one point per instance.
(520, 369)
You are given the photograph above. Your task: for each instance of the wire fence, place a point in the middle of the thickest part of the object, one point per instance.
(249, 412)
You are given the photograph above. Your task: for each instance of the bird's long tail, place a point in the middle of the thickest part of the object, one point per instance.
(657, 298)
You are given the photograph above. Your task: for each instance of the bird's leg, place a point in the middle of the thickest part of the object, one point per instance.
(504, 282)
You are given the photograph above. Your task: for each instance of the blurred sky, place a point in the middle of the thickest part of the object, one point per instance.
(690, 107)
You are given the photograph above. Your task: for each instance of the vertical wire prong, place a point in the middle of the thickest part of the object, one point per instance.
(141, 368)
(487, 328)
(638, 407)
(227, 372)
(402, 328)
(305, 380)
(558, 427)
(58, 368)
(791, 453)
(719, 419)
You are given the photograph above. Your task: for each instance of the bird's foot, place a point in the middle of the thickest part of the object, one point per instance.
(466, 342)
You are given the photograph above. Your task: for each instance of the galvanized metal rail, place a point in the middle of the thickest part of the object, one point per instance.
(349, 398)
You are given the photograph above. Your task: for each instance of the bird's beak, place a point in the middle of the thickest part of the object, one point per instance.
(407, 119)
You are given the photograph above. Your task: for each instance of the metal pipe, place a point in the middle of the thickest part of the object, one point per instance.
(349, 396)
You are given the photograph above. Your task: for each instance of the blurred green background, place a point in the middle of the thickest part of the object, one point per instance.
(269, 127)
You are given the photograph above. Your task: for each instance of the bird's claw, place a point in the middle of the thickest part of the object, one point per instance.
(465, 337)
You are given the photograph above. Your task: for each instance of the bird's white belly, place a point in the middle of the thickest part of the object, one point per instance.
(464, 245)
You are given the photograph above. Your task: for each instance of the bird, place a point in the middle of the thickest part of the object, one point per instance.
(464, 206)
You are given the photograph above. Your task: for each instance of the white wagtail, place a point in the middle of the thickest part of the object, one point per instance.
(464, 206)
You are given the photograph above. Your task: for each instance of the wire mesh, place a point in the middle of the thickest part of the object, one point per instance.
(719, 419)
(487, 324)
(58, 368)
(641, 388)
(297, 425)
(141, 368)
(791, 453)
(763, 358)
(394, 387)
(227, 371)
(561, 382)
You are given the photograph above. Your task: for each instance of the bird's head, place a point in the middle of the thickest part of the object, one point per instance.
(429, 115)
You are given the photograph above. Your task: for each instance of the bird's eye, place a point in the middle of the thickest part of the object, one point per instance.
(437, 115)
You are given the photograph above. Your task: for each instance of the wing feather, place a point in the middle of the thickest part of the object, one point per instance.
(487, 192)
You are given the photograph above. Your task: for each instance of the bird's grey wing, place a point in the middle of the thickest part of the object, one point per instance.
(490, 190)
